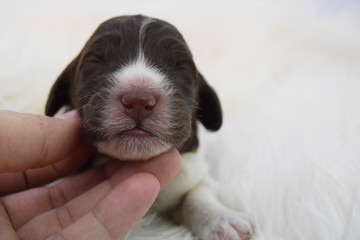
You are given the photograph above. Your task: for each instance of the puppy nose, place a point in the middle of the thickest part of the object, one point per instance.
(138, 104)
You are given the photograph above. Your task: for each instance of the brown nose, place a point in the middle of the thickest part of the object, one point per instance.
(138, 104)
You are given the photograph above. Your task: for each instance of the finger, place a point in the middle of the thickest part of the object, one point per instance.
(41, 176)
(24, 206)
(32, 141)
(35, 202)
(11, 182)
(18, 181)
(6, 229)
(111, 218)
(118, 214)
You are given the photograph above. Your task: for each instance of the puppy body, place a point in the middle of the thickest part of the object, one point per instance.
(139, 93)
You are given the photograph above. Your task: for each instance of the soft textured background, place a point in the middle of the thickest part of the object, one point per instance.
(288, 74)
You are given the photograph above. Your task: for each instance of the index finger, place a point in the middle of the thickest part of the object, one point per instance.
(32, 141)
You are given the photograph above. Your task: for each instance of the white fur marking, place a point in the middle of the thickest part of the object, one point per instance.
(142, 30)
(139, 73)
(193, 171)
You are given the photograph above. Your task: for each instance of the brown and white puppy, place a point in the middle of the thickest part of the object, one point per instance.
(139, 93)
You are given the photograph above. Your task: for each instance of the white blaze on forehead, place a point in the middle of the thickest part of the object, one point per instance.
(142, 32)
(139, 73)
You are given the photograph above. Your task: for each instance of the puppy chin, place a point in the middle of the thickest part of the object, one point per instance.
(132, 149)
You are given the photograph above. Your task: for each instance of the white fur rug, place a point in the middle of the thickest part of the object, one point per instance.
(288, 75)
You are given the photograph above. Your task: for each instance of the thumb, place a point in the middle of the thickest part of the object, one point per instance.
(132, 199)
(115, 215)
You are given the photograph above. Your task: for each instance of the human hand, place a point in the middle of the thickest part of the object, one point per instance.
(35, 150)
(101, 203)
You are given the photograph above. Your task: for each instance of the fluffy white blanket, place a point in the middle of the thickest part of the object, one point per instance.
(288, 75)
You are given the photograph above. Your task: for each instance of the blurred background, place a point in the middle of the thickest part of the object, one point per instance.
(288, 76)
(38, 38)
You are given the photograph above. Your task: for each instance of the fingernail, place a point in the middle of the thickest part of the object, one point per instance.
(71, 115)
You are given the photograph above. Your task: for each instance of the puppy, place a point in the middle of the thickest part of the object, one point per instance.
(138, 91)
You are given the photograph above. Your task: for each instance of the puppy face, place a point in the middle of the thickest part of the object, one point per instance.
(137, 89)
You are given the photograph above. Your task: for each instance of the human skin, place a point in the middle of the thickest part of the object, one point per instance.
(100, 203)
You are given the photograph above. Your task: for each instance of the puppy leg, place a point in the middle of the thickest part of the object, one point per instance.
(193, 171)
(208, 218)
(200, 209)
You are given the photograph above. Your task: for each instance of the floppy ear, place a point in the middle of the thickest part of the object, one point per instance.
(60, 91)
(209, 110)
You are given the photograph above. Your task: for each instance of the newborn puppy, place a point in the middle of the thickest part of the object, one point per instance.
(139, 93)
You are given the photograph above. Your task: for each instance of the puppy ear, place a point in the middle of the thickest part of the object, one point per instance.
(60, 91)
(209, 110)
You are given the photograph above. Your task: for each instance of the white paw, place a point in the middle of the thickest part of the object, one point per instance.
(224, 225)
(209, 219)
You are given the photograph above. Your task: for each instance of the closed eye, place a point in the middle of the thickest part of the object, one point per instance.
(96, 60)
(185, 65)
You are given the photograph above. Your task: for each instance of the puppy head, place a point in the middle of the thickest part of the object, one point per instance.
(137, 89)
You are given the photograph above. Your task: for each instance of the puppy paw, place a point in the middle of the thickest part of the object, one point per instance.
(210, 219)
(224, 225)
